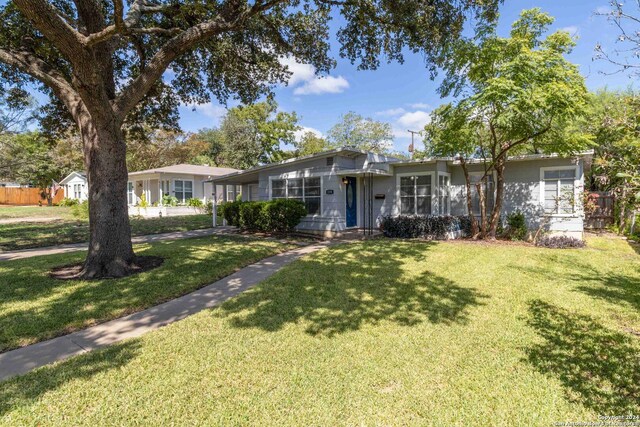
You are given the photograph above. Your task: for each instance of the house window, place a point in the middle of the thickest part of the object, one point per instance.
(415, 195)
(130, 194)
(489, 192)
(233, 191)
(77, 191)
(444, 195)
(183, 190)
(558, 186)
(307, 190)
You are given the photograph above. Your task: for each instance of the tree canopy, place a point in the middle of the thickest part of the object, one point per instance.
(512, 95)
(362, 133)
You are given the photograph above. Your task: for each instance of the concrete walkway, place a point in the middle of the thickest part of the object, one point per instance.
(24, 359)
(73, 247)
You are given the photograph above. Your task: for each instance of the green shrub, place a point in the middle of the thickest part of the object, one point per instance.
(68, 202)
(250, 216)
(282, 215)
(143, 202)
(424, 226)
(80, 210)
(230, 211)
(208, 207)
(516, 226)
(168, 200)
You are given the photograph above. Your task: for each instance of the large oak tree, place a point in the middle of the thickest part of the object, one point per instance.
(102, 62)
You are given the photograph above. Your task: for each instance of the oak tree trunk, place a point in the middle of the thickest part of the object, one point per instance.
(110, 250)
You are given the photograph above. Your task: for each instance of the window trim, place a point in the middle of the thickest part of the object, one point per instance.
(298, 175)
(439, 187)
(398, 190)
(577, 178)
(131, 193)
(173, 189)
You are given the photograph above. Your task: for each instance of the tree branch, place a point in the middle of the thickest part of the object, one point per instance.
(175, 47)
(38, 69)
(46, 18)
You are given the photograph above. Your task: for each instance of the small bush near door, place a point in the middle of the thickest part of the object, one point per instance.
(516, 226)
(280, 215)
(425, 226)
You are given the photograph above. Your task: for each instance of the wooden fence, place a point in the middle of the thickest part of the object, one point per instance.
(26, 196)
(602, 215)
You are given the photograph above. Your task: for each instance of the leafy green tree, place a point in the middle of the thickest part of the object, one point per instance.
(365, 134)
(103, 65)
(614, 120)
(516, 94)
(310, 143)
(28, 159)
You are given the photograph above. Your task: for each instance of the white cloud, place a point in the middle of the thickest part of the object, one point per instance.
(304, 129)
(603, 10)
(420, 106)
(319, 85)
(571, 29)
(415, 120)
(300, 72)
(208, 109)
(306, 82)
(391, 112)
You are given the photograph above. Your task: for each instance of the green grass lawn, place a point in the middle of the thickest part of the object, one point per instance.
(7, 212)
(376, 333)
(24, 235)
(34, 307)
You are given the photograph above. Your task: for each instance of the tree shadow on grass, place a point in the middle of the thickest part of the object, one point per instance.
(599, 367)
(53, 307)
(26, 389)
(344, 288)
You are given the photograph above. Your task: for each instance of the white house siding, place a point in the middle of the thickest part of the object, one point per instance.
(522, 190)
(201, 189)
(69, 191)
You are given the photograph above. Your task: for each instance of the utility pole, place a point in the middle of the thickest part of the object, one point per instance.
(412, 147)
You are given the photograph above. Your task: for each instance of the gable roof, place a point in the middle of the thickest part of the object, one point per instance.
(187, 169)
(72, 175)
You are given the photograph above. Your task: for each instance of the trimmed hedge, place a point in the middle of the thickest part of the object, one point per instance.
(280, 215)
(560, 242)
(424, 226)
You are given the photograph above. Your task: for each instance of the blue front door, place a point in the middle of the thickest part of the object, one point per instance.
(352, 205)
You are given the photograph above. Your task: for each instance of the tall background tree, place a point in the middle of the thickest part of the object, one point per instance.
(362, 133)
(102, 63)
(517, 94)
(614, 120)
(625, 18)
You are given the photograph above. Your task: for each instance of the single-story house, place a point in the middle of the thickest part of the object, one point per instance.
(183, 181)
(349, 189)
(75, 186)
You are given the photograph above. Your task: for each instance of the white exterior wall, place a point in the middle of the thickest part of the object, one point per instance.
(522, 191)
(150, 184)
(69, 190)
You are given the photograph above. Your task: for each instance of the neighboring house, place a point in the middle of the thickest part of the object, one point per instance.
(181, 181)
(75, 186)
(349, 189)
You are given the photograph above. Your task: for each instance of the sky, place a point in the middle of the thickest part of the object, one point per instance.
(402, 94)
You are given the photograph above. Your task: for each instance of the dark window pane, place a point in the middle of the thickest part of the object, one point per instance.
(313, 205)
(407, 205)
